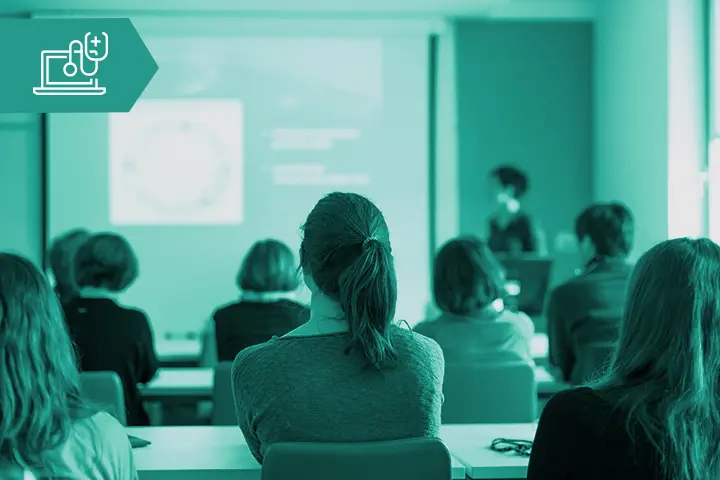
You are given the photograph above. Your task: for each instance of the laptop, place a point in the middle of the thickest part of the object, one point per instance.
(53, 80)
(532, 275)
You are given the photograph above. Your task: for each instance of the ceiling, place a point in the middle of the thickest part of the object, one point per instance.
(510, 9)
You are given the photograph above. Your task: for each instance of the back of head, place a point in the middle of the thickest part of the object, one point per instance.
(269, 266)
(39, 392)
(508, 176)
(609, 226)
(346, 251)
(106, 261)
(666, 370)
(467, 277)
(61, 259)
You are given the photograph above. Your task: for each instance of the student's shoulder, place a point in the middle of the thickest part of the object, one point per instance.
(108, 425)
(291, 304)
(573, 290)
(519, 320)
(249, 359)
(117, 451)
(427, 327)
(226, 307)
(577, 404)
(106, 431)
(416, 343)
(132, 313)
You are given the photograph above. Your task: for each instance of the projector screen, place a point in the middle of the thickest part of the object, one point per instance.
(235, 140)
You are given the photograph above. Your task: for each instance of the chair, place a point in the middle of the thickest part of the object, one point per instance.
(105, 389)
(11, 471)
(415, 458)
(592, 358)
(223, 412)
(502, 392)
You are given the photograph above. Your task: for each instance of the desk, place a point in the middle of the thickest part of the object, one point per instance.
(189, 351)
(178, 352)
(194, 383)
(197, 383)
(470, 444)
(213, 453)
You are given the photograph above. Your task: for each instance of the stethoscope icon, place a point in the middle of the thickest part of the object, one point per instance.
(85, 51)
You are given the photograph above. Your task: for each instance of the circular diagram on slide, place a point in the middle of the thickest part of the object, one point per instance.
(176, 167)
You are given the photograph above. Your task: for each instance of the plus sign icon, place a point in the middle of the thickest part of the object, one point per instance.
(68, 65)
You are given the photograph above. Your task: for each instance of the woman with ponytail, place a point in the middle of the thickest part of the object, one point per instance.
(349, 374)
(655, 412)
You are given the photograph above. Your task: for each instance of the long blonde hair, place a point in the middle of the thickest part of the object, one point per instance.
(665, 373)
(39, 380)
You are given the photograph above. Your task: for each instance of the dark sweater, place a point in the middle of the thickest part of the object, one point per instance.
(245, 323)
(109, 337)
(307, 389)
(518, 236)
(582, 436)
(584, 311)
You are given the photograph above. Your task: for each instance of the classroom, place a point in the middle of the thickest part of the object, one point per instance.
(428, 240)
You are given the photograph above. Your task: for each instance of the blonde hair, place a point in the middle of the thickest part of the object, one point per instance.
(269, 266)
(39, 380)
(665, 373)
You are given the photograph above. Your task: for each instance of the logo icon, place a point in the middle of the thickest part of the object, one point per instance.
(71, 77)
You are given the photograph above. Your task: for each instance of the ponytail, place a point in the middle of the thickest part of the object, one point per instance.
(367, 295)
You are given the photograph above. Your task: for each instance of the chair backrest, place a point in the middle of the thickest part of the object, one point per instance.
(592, 358)
(223, 412)
(105, 390)
(498, 392)
(415, 458)
(10, 471)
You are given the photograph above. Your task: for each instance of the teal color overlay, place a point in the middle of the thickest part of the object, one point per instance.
(72, 65)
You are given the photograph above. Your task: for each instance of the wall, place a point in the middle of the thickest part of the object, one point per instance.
(525, 97)
(20, 181)
(650, 115)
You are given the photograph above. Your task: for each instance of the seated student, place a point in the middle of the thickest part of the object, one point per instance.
(268, 279)
(349, 374)
(512, 230)
(46, 428)
(61, 257)
(474, 326)
(654, 414)
(108, 336)
(587, 309)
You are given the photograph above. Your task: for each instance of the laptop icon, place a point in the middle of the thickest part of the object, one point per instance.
(60, 75)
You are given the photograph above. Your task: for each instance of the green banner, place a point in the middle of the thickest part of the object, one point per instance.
(72, 65)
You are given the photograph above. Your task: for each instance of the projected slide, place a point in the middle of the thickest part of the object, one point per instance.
(235, 140)
(177, 163)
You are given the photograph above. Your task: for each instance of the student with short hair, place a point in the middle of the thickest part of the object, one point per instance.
(512, 230)
(268, 279)
(655, 412)
(61, 258)
(587, 309)
(349, 374)
(474, 326)
(109, 336)
(46, 428)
